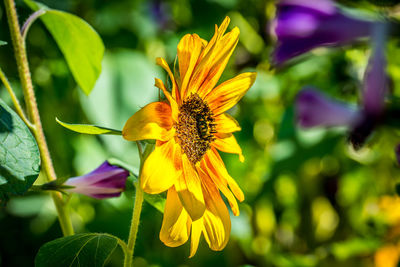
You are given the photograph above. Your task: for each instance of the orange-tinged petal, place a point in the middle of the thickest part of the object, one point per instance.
(176, 223)
(227, 143)
(189, 190)
(219, 32)
(219, 57)
(189, 49)
(210, 175)
(174, 106)
(220, 170)
(162, 63)
(159, 173)
(209, 69)
(153, 121)
(228, 93)
(216, 220)
(197, 229)
(225, 123)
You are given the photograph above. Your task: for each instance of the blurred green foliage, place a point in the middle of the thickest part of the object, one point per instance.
(310, 199)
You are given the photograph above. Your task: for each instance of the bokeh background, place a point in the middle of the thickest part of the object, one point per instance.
(311, 200)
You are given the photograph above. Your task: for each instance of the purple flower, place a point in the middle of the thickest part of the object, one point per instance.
(104, 182)
(397, 151)
(302, 25)
(315, 109)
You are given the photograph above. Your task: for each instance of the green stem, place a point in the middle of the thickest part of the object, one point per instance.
(15, 101)
(137, 209)
(33, 112)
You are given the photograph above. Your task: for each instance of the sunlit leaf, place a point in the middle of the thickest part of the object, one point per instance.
(19, 154)
(80, 44)
(88, 129)
(92, 249)
(2, 43)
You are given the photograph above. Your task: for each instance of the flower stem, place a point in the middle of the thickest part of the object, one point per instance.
(137, 209)
(33, 112)
(15, 101)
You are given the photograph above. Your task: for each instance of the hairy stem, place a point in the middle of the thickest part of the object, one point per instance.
(137, 209)
(15, 101)
(33, 112)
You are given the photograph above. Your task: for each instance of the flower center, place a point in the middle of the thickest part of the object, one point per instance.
(195, 127)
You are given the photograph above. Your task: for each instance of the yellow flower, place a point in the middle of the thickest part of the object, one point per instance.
(189, 129)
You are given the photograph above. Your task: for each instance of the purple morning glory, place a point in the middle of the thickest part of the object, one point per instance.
(315, 109)
(301, 25)
(104, 182)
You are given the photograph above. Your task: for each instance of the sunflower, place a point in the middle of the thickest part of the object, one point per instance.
(189, 127)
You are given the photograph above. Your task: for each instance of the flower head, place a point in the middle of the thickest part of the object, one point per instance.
(302, 25)
(189, 128)
(104, 182)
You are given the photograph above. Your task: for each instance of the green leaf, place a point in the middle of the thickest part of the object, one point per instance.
(80, 44)
(19, 154)
(2, 43)
(88, 129)
(91, 249)
(157, 201)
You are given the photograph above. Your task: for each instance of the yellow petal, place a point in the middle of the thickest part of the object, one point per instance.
(153, 121)
(216, 220)
(227, 143)
(228, 93)
(219, 32)
(189, 190)
(159, 173)
(197, 228)
(176, 223)
(162, 63)
(189, 49)
(174, 106)
(209, 69)
(225, 123)
(220, 170)
(209, 175)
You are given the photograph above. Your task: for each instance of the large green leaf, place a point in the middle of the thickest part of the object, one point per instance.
(88, 129)
(19, 154)
(82, 47)
(91, 249)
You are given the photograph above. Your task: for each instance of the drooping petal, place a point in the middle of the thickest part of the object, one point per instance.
(210, 175)
(216, 220)
(162, 63)
(174, 106)
(188, 186)
(189, 49)
(315, 109)
(159, 173)
(301, 26)
(220, 170)
(227, 94)
(376, 79)
(225, 123)
(176, 223)
(227, 143)
(197, 229)
(153, 121)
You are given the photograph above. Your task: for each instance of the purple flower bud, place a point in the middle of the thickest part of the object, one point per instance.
(315, 109)
(302, 25)
(104, 182)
